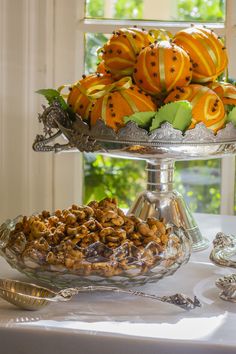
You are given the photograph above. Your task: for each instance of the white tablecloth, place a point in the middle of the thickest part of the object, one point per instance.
(102, 323)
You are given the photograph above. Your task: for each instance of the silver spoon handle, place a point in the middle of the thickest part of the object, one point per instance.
(179, 300)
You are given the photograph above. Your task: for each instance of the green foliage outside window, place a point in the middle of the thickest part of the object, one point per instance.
(198, 181)
(201, 10)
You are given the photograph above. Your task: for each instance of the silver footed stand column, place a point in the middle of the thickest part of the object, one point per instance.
(160, 200)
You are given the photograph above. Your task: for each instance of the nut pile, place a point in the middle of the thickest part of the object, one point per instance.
(94, 239)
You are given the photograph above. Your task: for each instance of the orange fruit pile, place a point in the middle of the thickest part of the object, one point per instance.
(140, 70)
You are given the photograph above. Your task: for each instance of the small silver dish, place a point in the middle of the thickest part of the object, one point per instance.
(224, 250)
(228, 286)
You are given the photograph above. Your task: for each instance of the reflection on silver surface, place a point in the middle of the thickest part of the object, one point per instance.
(160, 148)
(160, 200)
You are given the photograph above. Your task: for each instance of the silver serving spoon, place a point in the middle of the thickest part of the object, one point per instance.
(33, 297)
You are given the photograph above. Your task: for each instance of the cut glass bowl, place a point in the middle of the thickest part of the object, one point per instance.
(125, 265)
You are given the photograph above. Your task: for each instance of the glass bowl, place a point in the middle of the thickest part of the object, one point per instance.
(124, 266)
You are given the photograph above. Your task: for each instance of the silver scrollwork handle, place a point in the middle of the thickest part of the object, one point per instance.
(41, 143)
(179, 300)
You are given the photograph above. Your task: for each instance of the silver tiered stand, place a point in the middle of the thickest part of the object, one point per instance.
(160, 149)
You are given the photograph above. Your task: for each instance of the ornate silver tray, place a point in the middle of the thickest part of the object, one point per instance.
(132, 141)
(160, 149)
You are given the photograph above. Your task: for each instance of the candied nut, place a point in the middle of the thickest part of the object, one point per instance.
(51, 258)
(76, 240)
(121, 234)
(164, 239)
(76, 254)
(114, 239)
(54, 239)
(37, 229)
(104, 267)
(159, 225)
(108, 224)
(58, 213)
(53, 220)
(60, 228)
(82, 229)
(134, 219)
(69, 262)
(91, 224)
(106, 231)
(108, 203)
(150, 239)
(121, 213)
(45, 214)
(109, 215)
(71, 231)
(53, 229)
(135, 236)
(80, 214)
(88, 211)
(118, 221)
(87, 268)
(24, 220)
(129, 228)
(60, 258)
(137, 243)
(74, 207)
(42, 244)
(70, 219)
(19, 226)
(144, 230)
(98, 214)
(113, 244)
(93, 236)
(98, 225)
(65, 246)
(93, 204)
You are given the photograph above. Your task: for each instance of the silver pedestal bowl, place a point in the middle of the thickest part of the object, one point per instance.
(160, 148)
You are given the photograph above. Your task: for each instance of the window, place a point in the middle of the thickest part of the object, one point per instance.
(208, 186)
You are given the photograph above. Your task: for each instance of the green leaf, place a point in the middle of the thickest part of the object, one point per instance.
(179, 114)
(52, 95)
(229, 107)
(232, 116)
(143, 119)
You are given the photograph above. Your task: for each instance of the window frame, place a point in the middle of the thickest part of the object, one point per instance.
(227, 29)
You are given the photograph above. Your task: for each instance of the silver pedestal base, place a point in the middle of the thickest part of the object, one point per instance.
(162, 202)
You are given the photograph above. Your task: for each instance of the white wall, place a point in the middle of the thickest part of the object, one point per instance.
(37, 50)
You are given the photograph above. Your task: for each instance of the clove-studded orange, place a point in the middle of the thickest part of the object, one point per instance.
(119, 100)
(119, 53)
(207, 107)
(101, 69)
(161, 67)
(79, 97)
(206, 50)
(225, 90)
